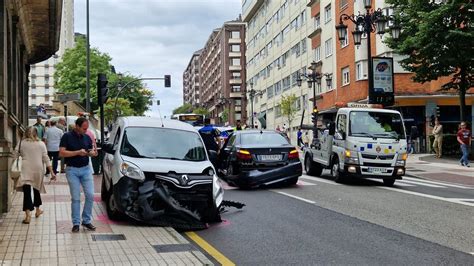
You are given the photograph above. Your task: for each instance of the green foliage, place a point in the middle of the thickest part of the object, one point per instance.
(183, 109)
(135, 92)
(225, 115)
(123, 106)
(438, 41)
(201, 111)
(288, 108)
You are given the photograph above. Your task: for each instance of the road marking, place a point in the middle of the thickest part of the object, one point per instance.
(436, 183)
(420, 183)
(219, 257)
(320, 180)
(428, 196)
(398, 184)
(296, 197)
(303, 183)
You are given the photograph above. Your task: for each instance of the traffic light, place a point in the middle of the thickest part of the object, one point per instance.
(102, 89)
(167, 81)
(314, 116)
(438, 112)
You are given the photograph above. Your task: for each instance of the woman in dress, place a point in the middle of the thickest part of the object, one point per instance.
(34, 156)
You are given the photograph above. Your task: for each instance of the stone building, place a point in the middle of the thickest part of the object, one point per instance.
(30, 34)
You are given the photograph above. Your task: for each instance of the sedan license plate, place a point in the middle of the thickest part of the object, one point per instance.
(272, 157)
(377, 170)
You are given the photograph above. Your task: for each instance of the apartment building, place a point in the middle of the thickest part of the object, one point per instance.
(222, 74)
(278, 52)
(191, 75)
(41, 90)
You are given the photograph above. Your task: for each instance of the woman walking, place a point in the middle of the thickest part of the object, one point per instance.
(34, 156)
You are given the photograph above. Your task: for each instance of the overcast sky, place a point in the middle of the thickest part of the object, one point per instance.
(152, 38)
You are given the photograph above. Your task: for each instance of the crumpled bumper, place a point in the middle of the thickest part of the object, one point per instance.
(161, 203)
(255, 178)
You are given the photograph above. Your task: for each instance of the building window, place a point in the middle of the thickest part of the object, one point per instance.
(235, 75)
(269, 92)
(303, 17)
(317, 54)
(305, 101)
(235, 34)
(235, 61)
(327, 13)
(360, 70)
(286, 83)
(345, 76)
(346, 40)
(46, 98)
(277, 111)
(317, 22)
(235, 48)
(46, 79)
(328, 47)
(329, 84)
(277, 87)
(238, 102)
(304, 46)
(236, 88)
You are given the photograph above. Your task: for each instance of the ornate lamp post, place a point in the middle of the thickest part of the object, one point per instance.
(372, 21)
(252, 93)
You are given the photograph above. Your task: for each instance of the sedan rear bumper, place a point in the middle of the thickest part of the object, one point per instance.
(255, 178)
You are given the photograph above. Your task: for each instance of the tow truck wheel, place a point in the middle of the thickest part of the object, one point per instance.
(104, 194)
(312, 168)
(389, 182)
(336, 174)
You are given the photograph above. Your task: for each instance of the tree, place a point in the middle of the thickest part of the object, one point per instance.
(438, 41)
(225, 115)
(135, 92)
(288, 108)
(183, 109)
(201, 111)
(124, 109)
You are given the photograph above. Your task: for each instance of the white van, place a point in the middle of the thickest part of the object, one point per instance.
(158, 171)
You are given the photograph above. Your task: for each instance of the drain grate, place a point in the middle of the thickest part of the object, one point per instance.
(108, 237)
(174, 248)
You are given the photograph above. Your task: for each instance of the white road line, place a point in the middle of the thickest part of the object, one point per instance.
(320, 180)
(398, 184)
(420, 183)
(303, 183)
(296, 197)
(428, 196)
(436, 183)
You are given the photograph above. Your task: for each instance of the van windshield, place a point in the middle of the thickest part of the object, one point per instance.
(162, 143)
(376, 125)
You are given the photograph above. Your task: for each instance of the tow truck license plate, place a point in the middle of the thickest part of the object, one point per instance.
(377, 170)
(272, 157)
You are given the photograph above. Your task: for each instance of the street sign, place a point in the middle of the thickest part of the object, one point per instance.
(383, 81)
(69, 97)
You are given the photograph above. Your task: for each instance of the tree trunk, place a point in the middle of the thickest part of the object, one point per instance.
(463, 87)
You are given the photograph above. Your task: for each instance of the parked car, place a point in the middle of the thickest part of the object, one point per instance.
(253, 158)
(159, 172)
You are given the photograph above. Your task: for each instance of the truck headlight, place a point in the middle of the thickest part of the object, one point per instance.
(351, 157)
(132, 171)
(401, 159)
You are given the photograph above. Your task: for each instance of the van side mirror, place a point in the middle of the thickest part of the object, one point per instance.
(108, 147)
(332, 128)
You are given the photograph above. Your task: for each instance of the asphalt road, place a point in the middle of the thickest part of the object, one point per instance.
(362, 222)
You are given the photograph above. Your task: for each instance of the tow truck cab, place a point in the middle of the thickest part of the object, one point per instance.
(365, 143)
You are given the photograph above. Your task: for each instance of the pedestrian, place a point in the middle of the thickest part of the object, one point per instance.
(62, 124)
(306, 139)
(438, 138)
(278, 128)
(40, 129)
(34, 156)
(299, 137)
(238, 127)
(52, 138)
(76, 147)
(47, 125)
(413, 137)
(464, 139)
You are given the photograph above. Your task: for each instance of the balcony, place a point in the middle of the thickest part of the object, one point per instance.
(238, 108)
(237, 94)
(235, 68)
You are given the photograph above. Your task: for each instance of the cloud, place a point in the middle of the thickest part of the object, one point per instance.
(154, 37)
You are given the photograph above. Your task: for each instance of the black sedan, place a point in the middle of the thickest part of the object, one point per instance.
(254, 158)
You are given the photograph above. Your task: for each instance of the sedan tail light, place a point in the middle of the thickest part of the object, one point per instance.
(293, 154)
(244, 155)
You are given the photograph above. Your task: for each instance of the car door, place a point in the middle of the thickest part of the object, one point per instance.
(227, 150)
(109, 159)
(340, 136)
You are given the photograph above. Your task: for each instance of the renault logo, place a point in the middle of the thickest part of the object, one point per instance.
(184, 179)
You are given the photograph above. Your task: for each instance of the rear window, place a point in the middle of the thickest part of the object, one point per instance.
(258, 138)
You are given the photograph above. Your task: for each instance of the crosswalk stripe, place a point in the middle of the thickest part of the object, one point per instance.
(399, 184)
(321, 180)
(420, 183)
(436, 183)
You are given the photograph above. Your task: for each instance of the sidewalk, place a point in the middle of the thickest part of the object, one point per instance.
(426, 166)
(48, 240)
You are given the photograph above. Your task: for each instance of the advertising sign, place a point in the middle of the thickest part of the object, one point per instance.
(383, 83)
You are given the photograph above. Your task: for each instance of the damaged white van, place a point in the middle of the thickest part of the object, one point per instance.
(158, 171)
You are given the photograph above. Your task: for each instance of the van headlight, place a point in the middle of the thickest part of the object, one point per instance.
(217, 191)
(351, 157)
(132, 171)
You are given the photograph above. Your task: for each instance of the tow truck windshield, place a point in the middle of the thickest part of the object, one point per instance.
(376, 125)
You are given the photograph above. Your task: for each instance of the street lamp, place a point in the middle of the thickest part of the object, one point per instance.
(252, 93)
(372, 21)
(313, 78)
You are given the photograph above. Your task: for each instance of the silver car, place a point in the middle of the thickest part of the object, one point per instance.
(158, 171)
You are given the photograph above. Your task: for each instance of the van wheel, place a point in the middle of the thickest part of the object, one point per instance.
(112, 210)
(104, 194)
(335, 172)
(389, 182)
(312, 168)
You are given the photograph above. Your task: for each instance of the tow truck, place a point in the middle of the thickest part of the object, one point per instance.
(364, 141)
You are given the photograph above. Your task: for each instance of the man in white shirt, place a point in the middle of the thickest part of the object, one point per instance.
(52, 138)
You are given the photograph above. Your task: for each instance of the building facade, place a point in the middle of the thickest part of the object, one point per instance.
(42, 90)
(191, 76)
(222, 76)
(30, 34)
